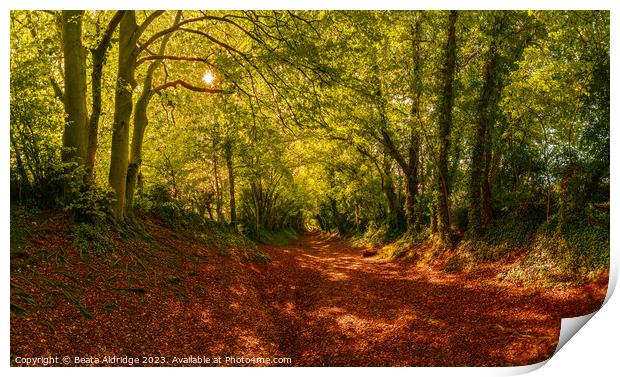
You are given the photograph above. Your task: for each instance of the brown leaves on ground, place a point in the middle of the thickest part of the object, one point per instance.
(338, 308)
(319, 302)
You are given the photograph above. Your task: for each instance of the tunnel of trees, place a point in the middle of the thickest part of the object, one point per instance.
(444, 125)
(366, 188)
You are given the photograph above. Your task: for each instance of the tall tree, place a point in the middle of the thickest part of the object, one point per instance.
(228, 153)
(98, 56)
(479, 190)
(413, 150)
(141, 120)
(445, 124)
(123, 105)
(75, 136)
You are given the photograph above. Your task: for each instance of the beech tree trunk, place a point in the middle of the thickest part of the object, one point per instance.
(141, 121)
(218, 186)
(123, 106)
(75, 135)
(486, 183)
(411, 175)
(395, 215)
(411, 192)
(98, 55)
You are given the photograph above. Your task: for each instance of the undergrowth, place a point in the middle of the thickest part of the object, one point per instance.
(574, 255)
(53, 254)
(92, 238)
(375, 235)
(505, 235)
(546, 254)
(280, 237)
(230, 243)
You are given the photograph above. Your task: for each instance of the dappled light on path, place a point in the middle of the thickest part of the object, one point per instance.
(319, 302)
(337, 308)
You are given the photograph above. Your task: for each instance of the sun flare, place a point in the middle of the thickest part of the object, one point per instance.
(208, 78)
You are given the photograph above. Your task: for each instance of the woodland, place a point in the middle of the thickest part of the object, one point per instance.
(355, 188)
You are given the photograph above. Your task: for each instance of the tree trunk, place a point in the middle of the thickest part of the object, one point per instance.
(411, 175)
(486, 184)
(218, 189)
(445, 123)
(231, 183)
(75, 136)
(411, 193)
(122, 111)
(394, 216)
(98, 55)
(141, 121)
(479, 189)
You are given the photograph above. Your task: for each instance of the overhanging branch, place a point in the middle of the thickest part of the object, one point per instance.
(171, 57)
(216, 41)
(189, 86)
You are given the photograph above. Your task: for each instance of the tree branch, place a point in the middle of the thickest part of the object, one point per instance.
(171, 29)
(151, 17)
(217, 42)
(57, 89)
(107, 35)
(171, 57)
(186, 85)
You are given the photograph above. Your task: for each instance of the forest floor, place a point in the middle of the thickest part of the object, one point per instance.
(318, 302)
(337, 308)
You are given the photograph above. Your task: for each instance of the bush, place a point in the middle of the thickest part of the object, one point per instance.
(167, 211)
(514, 229)
(91, 238)
(159, 202)
(376, 234)
(280, 237)
(564, 255)
(505, 234)
(584, 245)
(230, 243)
(91, 204)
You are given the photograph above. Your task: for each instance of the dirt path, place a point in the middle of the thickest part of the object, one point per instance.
(319, 302)
(334, 307)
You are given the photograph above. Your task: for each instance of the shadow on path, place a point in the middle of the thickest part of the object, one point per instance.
(334, 307)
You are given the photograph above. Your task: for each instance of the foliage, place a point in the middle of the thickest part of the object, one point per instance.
(375, 235)
(282, 237)
(89, 238)
(91, 204)
(230, 243)
(333, 118)
(559, 257)
(448, 165)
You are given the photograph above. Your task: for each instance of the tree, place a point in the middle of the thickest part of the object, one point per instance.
(98, 57)
(387, 123)
(75, 136)
(140, 121)
(445, 123)
(123, 105)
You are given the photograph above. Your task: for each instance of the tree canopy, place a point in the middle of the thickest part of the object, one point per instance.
(426, 122)
(426, 188)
